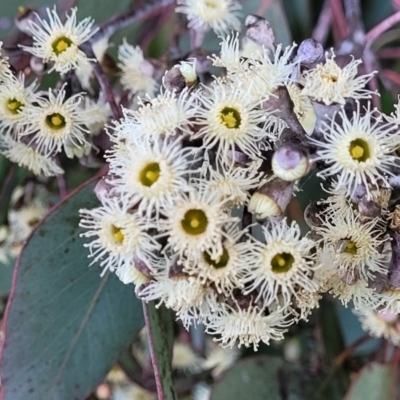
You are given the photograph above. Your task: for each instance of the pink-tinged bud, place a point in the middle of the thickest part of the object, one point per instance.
(181, 76)
(312, 214)
(238, 157)
(37, 65)
(260, 31)
(388, 317)
(309, 52)
(368, 208)
(290, 162)
(174, 81)
(24, 18)
(271, 199)
(103, 189)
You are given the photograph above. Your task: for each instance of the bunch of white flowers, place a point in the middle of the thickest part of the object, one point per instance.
(196, 170)
(186, 163)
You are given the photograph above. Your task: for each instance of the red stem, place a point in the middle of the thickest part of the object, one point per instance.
(339, 22)
(153, 354)
(321, 30)
(382, 27)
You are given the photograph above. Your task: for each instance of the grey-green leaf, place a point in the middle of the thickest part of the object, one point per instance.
(259, 378)
(375, 382)
(64, 325)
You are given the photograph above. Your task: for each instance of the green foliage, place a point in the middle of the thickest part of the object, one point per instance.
(64, 326)
(259, 378)
(374, 382)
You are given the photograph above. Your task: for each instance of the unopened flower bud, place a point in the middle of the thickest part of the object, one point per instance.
(368, 208)
(103, 189)
(312, 214)
(260, 31)
(24, 18)
(290, 162)
(309, 52)
(358, 194)
(173, 80)
(142, 267)
(238, 157)
(37, 65)
(271, 199)
(181, 76)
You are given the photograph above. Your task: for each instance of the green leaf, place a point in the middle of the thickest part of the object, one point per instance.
(160, 330)
(101, 10)
(6, 272)
(332, 337)
(374, 382)
(64, 325)
(259, 378)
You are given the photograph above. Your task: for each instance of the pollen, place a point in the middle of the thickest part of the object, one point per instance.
(230, 118)
(117, 234)
(55, 121)
(13, 105)
(61, 44)
(351, 248)
(194, 222)
(282, 262)
(359, 150)
(150, 174)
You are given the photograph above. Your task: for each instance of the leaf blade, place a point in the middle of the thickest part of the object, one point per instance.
(62, 315)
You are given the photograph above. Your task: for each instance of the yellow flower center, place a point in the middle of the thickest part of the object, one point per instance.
(55, 121)
(32, 222)
(230, 117)
(117, 234)
(359, 150)
(351, 248)
(331, 78)
(211, 4)
(282, 262)
(220, 262)
(194, 222)
(14, 106)
(61, 44)
(149, 174)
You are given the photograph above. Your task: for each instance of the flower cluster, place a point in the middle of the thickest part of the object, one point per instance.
(201, 172)
(190, 167)
(37, 125)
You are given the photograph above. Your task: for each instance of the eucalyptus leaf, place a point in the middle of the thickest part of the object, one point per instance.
(374, 382)
(259, 378)
(64, 325)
